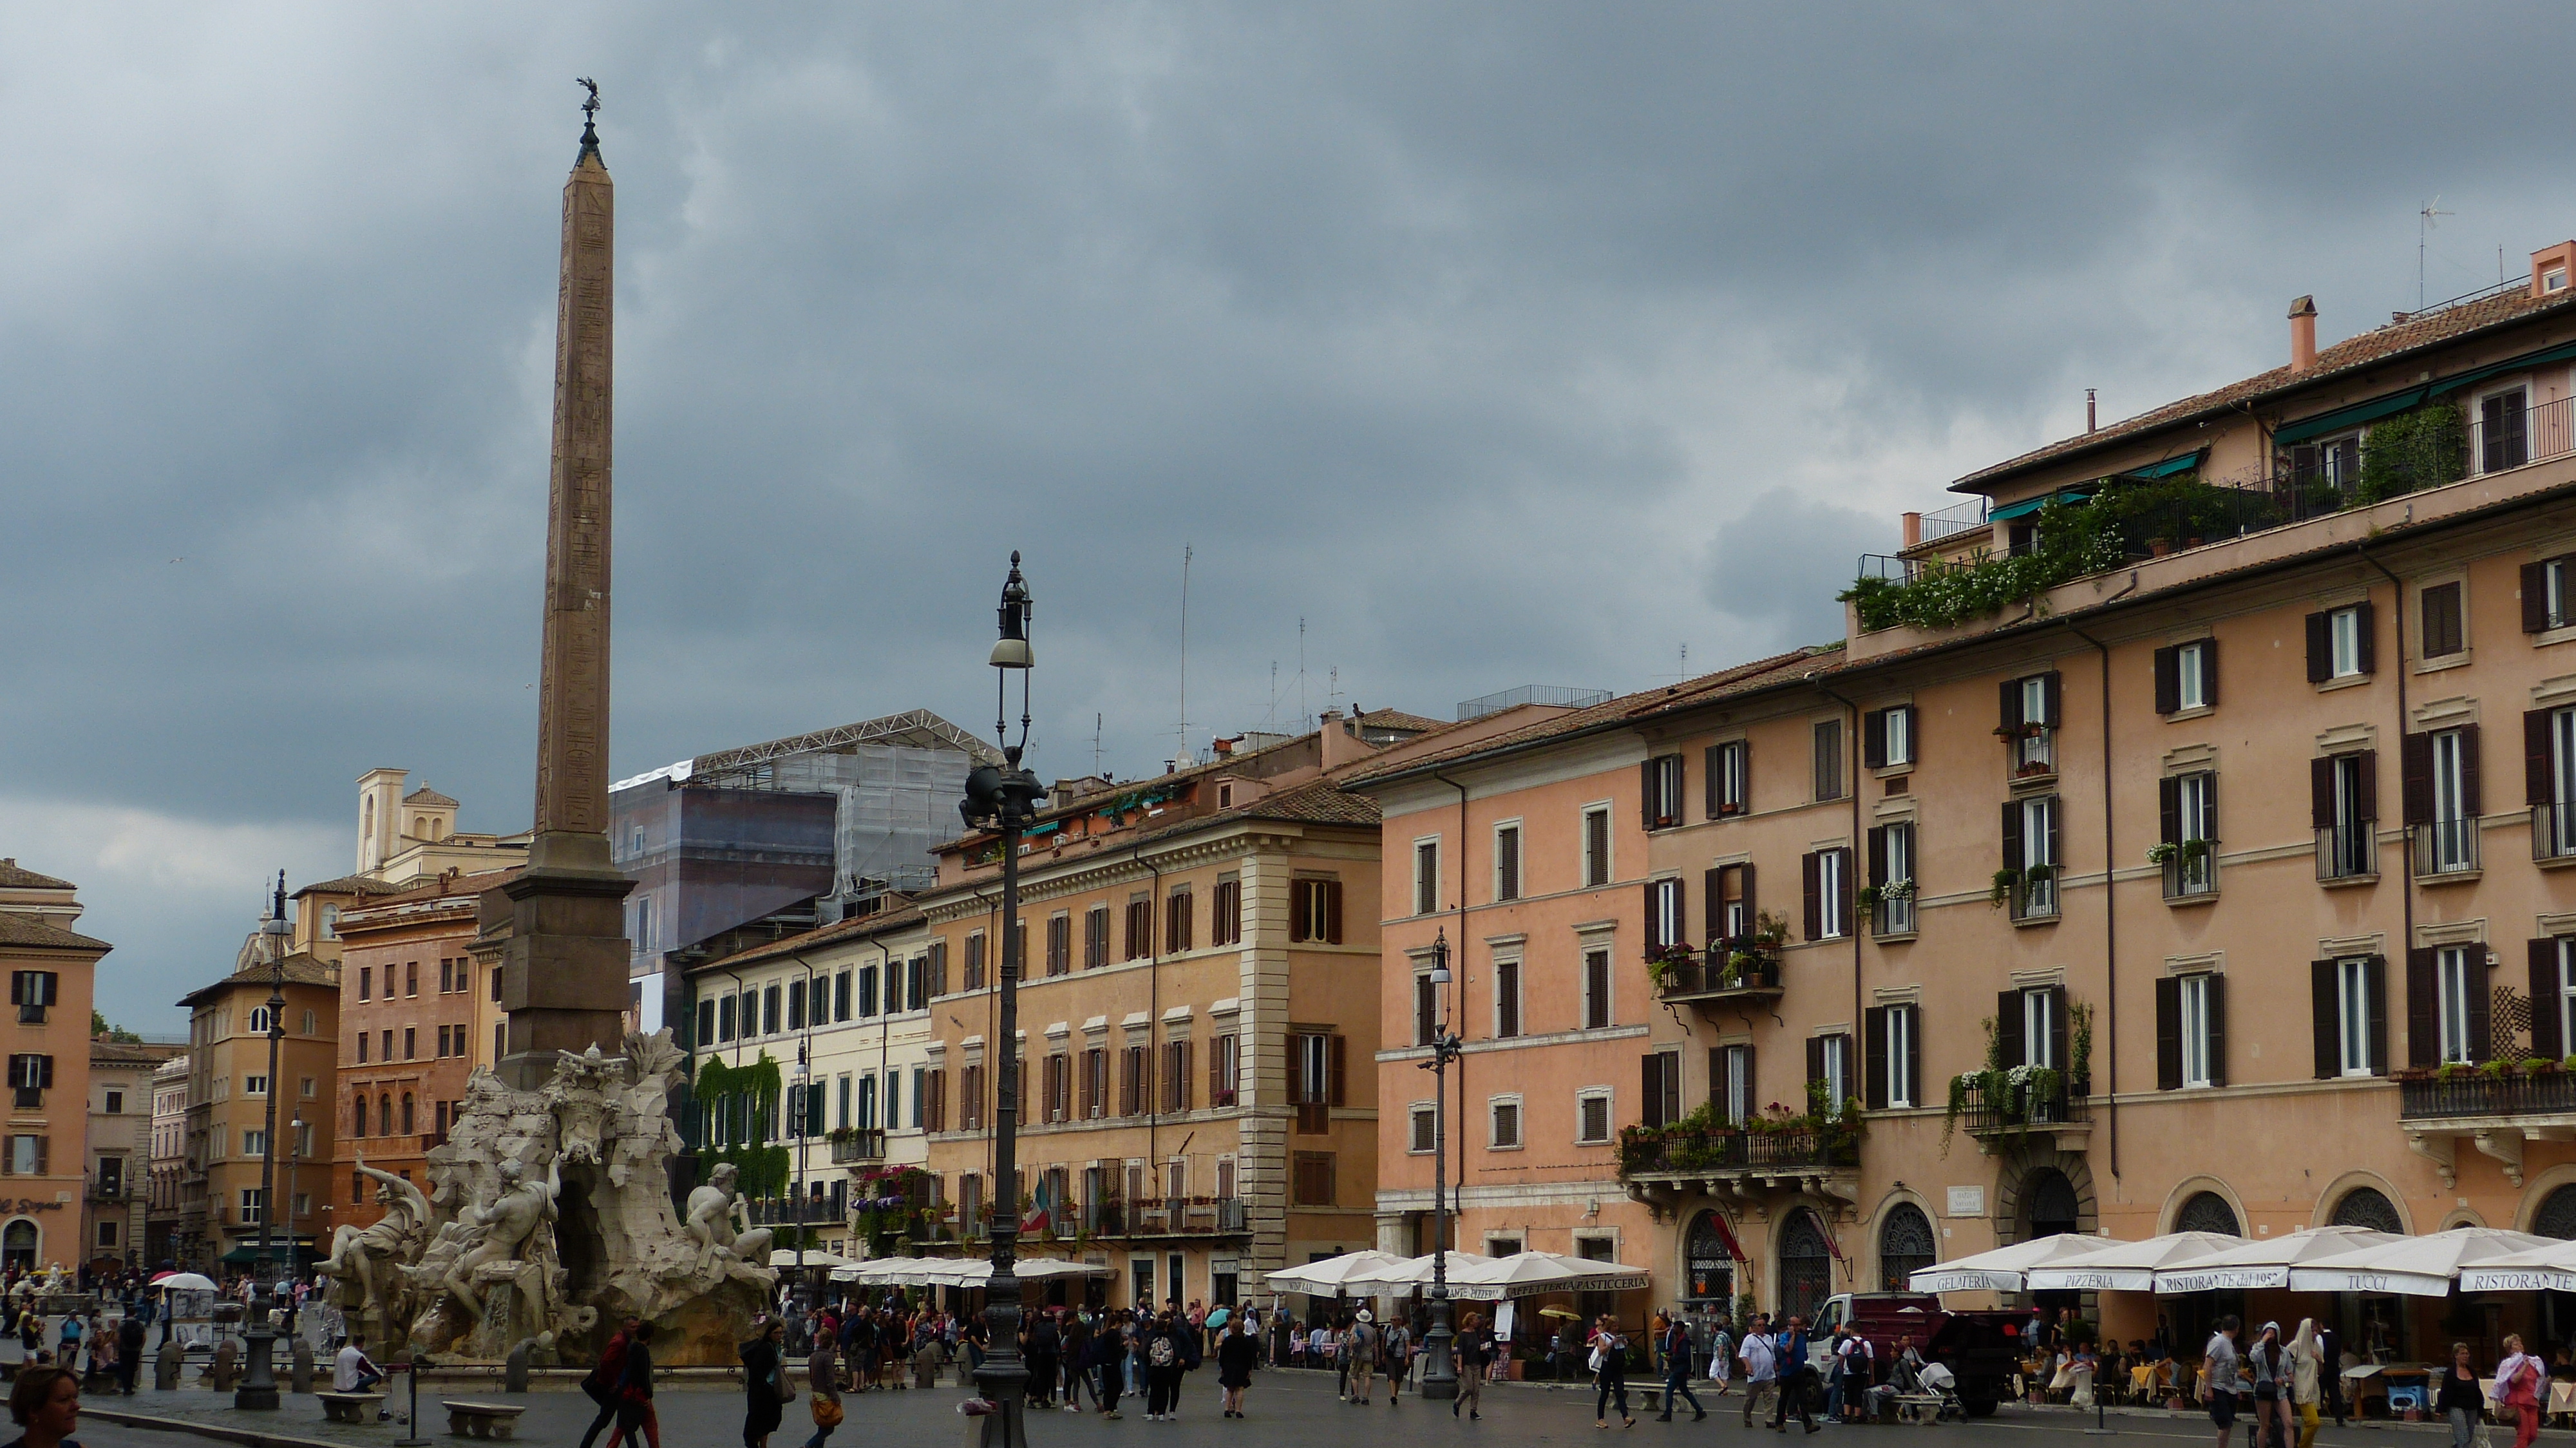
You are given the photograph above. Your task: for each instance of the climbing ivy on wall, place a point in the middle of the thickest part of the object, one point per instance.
(745, 1098)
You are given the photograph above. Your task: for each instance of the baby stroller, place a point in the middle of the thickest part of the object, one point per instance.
(1936, 1399)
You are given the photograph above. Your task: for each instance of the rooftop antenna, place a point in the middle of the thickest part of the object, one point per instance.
(1095, 748)
(1302, 716)
(2425, 225)
(1183, 750)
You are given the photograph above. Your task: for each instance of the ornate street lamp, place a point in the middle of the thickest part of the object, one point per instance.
(1004, 798)
(1440, 1374)
(258, 1387)
(805, 1113)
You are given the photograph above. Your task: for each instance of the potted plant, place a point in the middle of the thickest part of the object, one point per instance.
(1662, 961)
(2162, 852)
(2006, 881)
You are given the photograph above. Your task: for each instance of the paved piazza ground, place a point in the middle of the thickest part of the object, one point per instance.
(1287, 1410)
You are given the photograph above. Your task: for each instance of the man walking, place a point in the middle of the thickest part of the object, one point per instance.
(2222, 1378)
(1399, 1359)
(1797, 1376)
(1755, 1352)
(1676, 1347)
(1362, 1345)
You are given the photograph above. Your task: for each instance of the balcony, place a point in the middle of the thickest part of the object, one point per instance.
(1661, 1166)
(2031, 753)
(2495, 1107)
(2029, 895)
(858, 1145)
(2443, 848)
(1726, 971)
(2347, 852)
(2047, 1107)
(2553, 831)
(2191, 873)
(1161, 1217)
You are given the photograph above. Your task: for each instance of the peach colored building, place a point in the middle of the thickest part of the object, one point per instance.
(2193, 858)
(52, 981)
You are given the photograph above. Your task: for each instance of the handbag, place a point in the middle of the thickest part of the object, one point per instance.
(786, 1390)
(827, 1412)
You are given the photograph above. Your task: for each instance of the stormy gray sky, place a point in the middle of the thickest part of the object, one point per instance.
(1500, 343)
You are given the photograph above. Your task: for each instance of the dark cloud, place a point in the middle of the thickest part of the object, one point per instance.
(1444, 328)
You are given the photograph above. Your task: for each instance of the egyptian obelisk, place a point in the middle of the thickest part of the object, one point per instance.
(565, 970)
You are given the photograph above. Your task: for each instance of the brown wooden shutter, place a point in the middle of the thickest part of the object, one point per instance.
(2471, 796)
(2376, 974)
(2169, 810)
(2535, 597)
(2368, 793)
(2012, 834)
(2539, 768)
(1909, 1067)
(1341, 1073)
(2321, 811)
(2057, 1029)
(1809, 879)
(2325, 1013)
(2548, 1042)
(1874, 1029)
(1708, 781)
(1651, 1087)
(2423, 1022)
(2008, 1029)
(2008, 706)
(2056, 846)
(1877, 843)
(1083, 1088)
(2209, 807)
(2168, 1034)
(2365, 619)
(2218, 1030)
(2052, 704)
(1717, 1083)
(1183, 1077)
(2168, 667)
(1873, 739)
(2209, 672)
(2481, 1006)
(1648, 811)
(1815, 1059)
(1332, 913)
(2320, 649)
(2415, 778)
(1744, 887)
(1713, 901)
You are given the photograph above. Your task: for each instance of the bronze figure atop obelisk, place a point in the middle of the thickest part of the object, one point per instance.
(564, 978)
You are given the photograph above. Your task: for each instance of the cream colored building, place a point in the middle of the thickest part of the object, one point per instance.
(406, 838)
(223, 1195)
(169, 1161)
(116, 1199)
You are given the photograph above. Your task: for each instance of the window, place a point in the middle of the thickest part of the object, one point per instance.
(2441, 799)
(2187, 677)
(1828, 893)
(1504, 1113)
(840, 996)
(2549, 594)
(1729, 779)
(2504, 436)
(2343, 805)
(2031, 717)
(1829, 1067)
(1176, 1077)
(1887, 738)
(305, 1087)
(411, 1043)
(115, 1102)
(1891, 874)
(1731, 1084)
(1426, 877)
(254, 1142)
(2187, 806)
(1316, 1067)
(1895, 1056)
(2340, 643)
(253, 1206)
(26, 1155)
(1140, 926)
(1592, 1118)
(2459, 1000)
(974, 976)
(1662, 1087)
(411, 978)
(1426, 1130)
(1311, 1179)
(1224, 1068)
(1426, 1009)
(2351, 1008)
(1507, 999)
(1596, 989)
(2443, 633)
(2198, 999)
(1225, 917)
(1136, 1081)
(259, 1020)
(2029, 876)
(366, 981)
(2333, 464)
(1095, 937)
(1596, 846)
(254, 1085)
(970, 1097)
(1177, 923)
(1507, 862)
(312, 1022)
(31, 991)
(724, 1018)
(107, 1233)
(1730, 902)
(1663, 791)
(1664, 923)
(1315, 911)
(796, 1005)
(769, 1010)
(1829, 759)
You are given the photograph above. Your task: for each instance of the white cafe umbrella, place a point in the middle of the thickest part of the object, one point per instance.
(1406, 1273)
(786, 1257)
(184, 1282)
(2539, 1269)
(1528, 1274)
(2415, 1266)
(2129, 1266)
(2003, 1269)
(958, 1271)
(1328, 1276)
(2266, 1262)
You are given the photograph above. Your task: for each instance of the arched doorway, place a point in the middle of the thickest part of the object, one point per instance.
(1806, 1265)
(2370, 1207)
(1904, 1245)
(1708, 1265)
(2052, 1202)
(2209, 1212)
(18, 1243)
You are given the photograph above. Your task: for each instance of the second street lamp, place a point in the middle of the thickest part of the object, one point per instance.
(1004, 798)
(1440, 1369)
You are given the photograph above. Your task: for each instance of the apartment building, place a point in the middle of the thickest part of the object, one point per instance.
(843, 1011)
(410, 992)
(2135, 864)
(161, 1239)
(52, 979)
(114, 1202)
(223, 1194)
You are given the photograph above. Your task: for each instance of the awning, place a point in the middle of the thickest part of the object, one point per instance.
(2354, 416)
(247, 1253)
(2170, 467)
(2028, 506)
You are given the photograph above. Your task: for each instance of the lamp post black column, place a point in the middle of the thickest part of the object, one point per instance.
(258, 1387)
(805, 1115)
(1003, 798)
(1440, 1370)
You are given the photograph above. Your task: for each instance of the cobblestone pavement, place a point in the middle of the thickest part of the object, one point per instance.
(1293, 1409)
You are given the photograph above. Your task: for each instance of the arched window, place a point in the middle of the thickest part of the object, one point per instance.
(2053, 1208)
(408, 1125)
(1806, 1265)
(2207, 1212)
(359, 1116)
(1904, 1245)
(1710, 1261)
(259, 1020)
(2369, 1207)
(2557, 1215)
(385, 1114)
(18, 1243)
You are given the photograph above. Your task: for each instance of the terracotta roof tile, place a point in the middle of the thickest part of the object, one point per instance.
(14, 876)
(1398, 719)
(351, 885)
(427, 796)
(34, 934)
(900, 917)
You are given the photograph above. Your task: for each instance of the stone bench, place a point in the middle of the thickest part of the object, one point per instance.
(350, 1407)
(482, 1420)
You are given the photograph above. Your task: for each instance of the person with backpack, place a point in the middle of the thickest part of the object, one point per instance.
(1360, 1346)
(1162, 1342)
(1396, 1356)
(1676, 1346)
(1609, 1364)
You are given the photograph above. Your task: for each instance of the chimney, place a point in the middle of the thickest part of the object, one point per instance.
(2550, 269)
(1913, 525)
(1341, 742)
(2092, 421)
(2303, 334)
